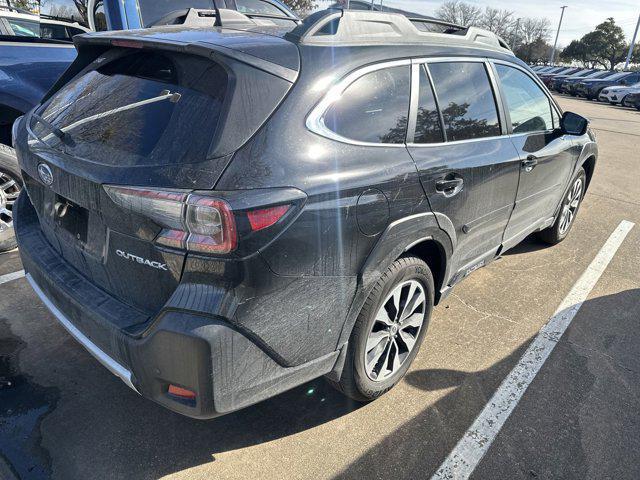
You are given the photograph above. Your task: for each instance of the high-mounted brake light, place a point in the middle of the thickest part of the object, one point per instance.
(126, 43)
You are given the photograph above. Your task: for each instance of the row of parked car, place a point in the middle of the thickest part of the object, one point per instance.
(616, 88)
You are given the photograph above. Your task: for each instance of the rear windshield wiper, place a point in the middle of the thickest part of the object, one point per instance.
(64, 137)
(62, 133)
(164, 95)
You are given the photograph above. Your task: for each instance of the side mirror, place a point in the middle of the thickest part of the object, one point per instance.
(574, 124)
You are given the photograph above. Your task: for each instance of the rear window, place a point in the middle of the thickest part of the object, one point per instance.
(141, 109)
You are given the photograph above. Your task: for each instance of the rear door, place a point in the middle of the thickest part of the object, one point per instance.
(468, 168)
(547, 156)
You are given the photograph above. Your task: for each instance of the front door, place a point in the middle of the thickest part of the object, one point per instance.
(468, 169)
(547, 156)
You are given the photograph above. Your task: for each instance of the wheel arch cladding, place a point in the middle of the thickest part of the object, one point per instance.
(419, 235)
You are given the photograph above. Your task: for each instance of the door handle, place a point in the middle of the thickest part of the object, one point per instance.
(530, 163)
(449, 187)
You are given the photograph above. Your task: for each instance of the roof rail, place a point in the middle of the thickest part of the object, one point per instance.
(339, 27)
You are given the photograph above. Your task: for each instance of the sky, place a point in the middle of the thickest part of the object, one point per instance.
(580, 17)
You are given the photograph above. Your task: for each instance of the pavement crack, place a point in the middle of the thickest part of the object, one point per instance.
(481, 312)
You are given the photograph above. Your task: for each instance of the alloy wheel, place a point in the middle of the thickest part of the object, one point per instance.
(395, 331)
(9, 191)
(571, 206)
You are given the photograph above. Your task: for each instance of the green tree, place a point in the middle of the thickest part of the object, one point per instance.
(605, 46)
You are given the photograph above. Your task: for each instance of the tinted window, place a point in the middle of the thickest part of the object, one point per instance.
(24, 28)
(466, 100)
(53, 31)
(428, 128)
(529, 107)
(258, 6)
(153, 10)
(374, 108)
(101, 111)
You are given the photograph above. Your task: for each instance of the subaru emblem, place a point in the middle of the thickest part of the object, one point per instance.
(45, 173)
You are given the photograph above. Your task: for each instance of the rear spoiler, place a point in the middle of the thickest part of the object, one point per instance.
(90, 46)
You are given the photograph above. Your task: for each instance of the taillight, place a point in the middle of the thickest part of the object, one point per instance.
(200, 223)
(192, 222)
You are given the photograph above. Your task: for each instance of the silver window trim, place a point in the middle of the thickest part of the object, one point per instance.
(315, 120)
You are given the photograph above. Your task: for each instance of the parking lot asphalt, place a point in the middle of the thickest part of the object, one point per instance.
(66, 417)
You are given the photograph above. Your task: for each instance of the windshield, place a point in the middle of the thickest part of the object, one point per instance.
(153, 10)
(140, 109)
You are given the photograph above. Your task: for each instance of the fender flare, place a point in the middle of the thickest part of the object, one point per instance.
(397, 238)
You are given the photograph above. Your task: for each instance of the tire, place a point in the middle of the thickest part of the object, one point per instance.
(357, 381)
(570, 203)
(10, 186)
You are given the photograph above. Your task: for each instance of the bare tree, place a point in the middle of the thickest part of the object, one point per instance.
(301, 7)
(500, 22)
(456, 11)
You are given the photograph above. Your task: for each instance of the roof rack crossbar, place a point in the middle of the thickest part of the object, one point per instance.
(339, 27)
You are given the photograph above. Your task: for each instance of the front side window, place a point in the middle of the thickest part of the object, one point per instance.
(529, 107)
(374, 108)
(466, 100)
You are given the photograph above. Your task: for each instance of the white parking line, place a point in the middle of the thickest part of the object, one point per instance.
(11, 276)
(476, 441)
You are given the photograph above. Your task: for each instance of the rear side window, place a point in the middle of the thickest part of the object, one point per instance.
(466, 99)
(529, 107)
(141, 109)
(374, 108)
(428, 128)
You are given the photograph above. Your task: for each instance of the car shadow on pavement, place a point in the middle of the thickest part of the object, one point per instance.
(100, 429)
(606, 327)
(530, 244)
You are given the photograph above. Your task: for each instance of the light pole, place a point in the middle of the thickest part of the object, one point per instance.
(515, 36)
(553, 52)
(633, 44)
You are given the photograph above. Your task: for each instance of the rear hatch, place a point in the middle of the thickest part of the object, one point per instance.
(136, 114)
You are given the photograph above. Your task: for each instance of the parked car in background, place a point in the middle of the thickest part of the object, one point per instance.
(632, 100)
(590, 89)
(616, 95)
(547, 78)
(293, 207)
(567, 85)
(556, 81)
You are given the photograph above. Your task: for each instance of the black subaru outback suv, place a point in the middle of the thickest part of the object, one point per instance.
(219, 214)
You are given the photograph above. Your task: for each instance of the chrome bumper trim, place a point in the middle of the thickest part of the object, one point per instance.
(113, 366)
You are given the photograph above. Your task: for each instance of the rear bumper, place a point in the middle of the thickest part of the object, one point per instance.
(202, 353)
(108, 362)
